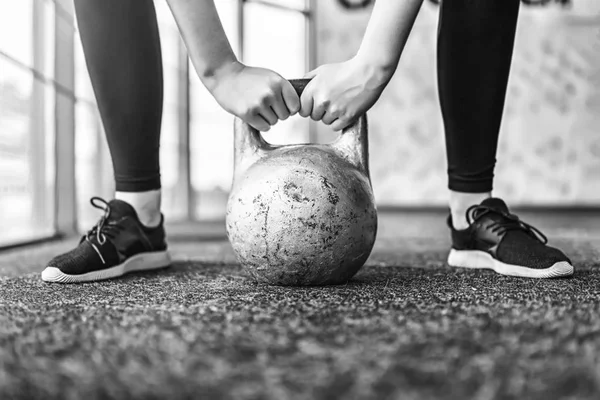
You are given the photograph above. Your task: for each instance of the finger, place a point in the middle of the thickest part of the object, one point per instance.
(329, 118)
(290, 98)
(258, 123)
(306, 104)
(318, 111)
(280, 108)
(268, 115)
(339, 124)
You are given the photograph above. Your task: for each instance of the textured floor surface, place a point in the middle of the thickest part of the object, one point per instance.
(406, 327)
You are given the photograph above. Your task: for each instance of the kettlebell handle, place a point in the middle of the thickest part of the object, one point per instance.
(352, 144)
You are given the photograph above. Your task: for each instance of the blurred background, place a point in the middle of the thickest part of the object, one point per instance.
(53, 154)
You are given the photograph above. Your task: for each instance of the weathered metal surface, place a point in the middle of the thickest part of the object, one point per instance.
(302, 214)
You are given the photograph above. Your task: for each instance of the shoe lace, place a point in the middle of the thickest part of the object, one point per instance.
(507, 223)
(104, 228)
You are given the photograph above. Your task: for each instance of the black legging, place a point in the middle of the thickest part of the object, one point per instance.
(475, 45)
(122, 50)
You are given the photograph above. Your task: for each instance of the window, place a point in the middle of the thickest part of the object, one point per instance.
(93, 172)
(47, 177)
(174, 114)
(211, 139)
(26, 120)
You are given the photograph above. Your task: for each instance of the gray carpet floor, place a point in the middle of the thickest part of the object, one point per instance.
(407, 327)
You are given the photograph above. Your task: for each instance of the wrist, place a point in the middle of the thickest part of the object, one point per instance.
(378, 71)
(211, 77)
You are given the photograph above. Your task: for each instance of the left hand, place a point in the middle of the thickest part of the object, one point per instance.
(339, 93)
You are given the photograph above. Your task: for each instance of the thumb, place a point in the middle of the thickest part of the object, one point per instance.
(312, 74)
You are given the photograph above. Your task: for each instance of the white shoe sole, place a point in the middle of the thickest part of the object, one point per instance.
(139, 262)
(481, 260)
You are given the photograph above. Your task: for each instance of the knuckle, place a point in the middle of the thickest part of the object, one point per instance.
(323, 102)
(275, 81)
(335, 111)
(271, 91)
(262, 100)
(347, 115)
(341, 122)
(254, 110)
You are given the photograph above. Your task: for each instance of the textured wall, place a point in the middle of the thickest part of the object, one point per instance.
(549, 151)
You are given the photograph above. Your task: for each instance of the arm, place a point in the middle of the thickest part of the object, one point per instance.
(339, 93)
(259, 96)
(203, 34)
(387, 32)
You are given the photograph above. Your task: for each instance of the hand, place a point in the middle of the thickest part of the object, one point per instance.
(340, 93)
(260, 97)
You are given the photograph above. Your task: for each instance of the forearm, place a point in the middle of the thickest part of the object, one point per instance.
(204, 36)
(387, 32)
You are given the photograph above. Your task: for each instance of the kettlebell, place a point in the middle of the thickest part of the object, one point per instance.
(302, 214)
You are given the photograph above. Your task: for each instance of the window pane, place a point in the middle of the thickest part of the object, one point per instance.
(83, 85)
(285, 33)
(16, 29)
(275, 39)
(174, 206)
(211, 135)
(93, 167)
(26, 155)
(26, 121)
(211, 142)
(93, 172)
(48, 11)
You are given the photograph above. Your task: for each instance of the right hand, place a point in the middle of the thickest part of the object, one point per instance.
(260, 97)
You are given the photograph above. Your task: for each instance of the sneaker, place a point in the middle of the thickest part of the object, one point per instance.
(499, 240)
(116, 245)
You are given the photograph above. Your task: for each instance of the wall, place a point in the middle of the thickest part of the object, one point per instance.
(549, 150)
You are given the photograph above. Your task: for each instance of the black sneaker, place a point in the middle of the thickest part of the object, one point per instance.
(499, 240)
(118, 244)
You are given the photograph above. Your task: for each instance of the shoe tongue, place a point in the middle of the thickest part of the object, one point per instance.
(120, 209)
(496, 204)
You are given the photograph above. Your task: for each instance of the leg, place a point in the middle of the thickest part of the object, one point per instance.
(475, 47)
(122, 50)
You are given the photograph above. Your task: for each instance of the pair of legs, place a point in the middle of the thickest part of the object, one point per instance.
(475, 43)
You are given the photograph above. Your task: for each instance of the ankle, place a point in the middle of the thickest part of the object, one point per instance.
(460, 203)
(146, 204)
(150, 219)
